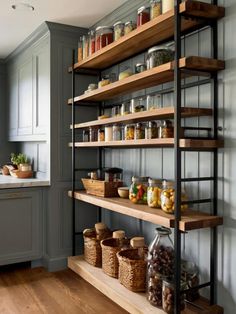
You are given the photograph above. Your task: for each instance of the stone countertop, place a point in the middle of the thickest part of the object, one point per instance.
(9, 182)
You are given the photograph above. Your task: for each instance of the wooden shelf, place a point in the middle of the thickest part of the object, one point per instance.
(164, 73)
(190, 219)
(200, 144)
(156, 114)
(143, 38)
(134, 303)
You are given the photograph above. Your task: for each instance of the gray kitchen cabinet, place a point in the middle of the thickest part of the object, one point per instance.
(20, 226)
(13, 104)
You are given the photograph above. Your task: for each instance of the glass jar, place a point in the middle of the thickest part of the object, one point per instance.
(125, 72)
(153, 101)
(143, 15)
(154, 193)
(80, 50)
(151, 130)
(93, 134)
(155, 8)
(101, 135)
(117, 136)
(115, 111)
(118, 30)
(140, 67)
(166, 129)
(129, 132)
(139, 133)
(104, 36)
(159, 55)
(91, 42)
(85, 46)
(129, 27)
(138, 190)
(168, 198)
(160, 264)
(168, 294)
(167, 5)
(137, 104)
(85, 135)
(108, 133)
(190, 275)
(125, 108)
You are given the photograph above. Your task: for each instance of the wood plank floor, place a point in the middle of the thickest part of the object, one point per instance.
(29, 291)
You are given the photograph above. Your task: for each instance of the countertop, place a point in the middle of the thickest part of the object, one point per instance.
(9, 182)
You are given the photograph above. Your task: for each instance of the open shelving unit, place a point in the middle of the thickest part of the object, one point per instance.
(187, 16)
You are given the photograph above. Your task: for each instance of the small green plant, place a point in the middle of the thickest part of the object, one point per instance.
(18, 159)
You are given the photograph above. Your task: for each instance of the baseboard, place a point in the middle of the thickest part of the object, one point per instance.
(55, 264)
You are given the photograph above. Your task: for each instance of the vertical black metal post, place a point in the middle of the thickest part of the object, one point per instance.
(100, 152)
(177, 155)
(73, 157)
(213, 261)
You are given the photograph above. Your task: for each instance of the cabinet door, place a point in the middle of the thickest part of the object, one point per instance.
(25, 105)
(13, 104)
(20, 226)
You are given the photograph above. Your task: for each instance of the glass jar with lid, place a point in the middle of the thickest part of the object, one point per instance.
(125, 108)
(138, 190)
(166, 129)
(143, 15)
(139, 133)
(155, 10)
(93, 134)
(151, 130)
(160, 264)
(101, 135)
(190, 275)
(129, 27)
(85, 46)
(104, 36)
(129, 132)
(117, 135)
(80, 50)
(91, 42)
(167, 5)
(115, 111)
(153, 101)
(168, 296)
(168, 197)
(140, 67)
(154, 193)
(137, 104)
(118, 30)
(159, 55)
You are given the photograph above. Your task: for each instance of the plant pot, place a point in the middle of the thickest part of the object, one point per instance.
(24, 167)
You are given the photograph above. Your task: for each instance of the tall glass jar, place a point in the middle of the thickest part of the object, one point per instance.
(154, 193)
(143, 15)
(85, 46)
(101, 135)
(138, 190)
(125, 108)
(93, 134)
(80, 50)
(129, 132)
(104, 36)
(155, 8)
(129, 27)
(117, 135)
(168, 295)
(190, 275)
(153, 101)
(160, 264)
(91, 42)
(139, 133)
(151, 130)
(118, 30)
(166, 129)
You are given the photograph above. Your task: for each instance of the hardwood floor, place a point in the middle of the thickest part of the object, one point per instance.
(29, 291)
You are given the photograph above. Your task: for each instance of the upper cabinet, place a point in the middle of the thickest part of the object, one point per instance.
(29, 93)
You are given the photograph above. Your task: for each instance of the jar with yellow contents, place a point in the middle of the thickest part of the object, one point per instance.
(168, 198)
(154, 193)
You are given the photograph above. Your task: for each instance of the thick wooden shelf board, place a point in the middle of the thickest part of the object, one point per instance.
(201, 144)
(190, 219)
(134, 303)
(155, 76)
(155, 114)
(142, 38)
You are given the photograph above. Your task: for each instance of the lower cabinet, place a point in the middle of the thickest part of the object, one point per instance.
(20, 226)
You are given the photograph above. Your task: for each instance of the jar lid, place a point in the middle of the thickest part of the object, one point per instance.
(167, 123)
(118, 23)
(158, 48)
(118, 234)
(103, 27)
(130, 22)
(139, 125)
(154, 181)
(140, 179)
(163, 231)
(100, 226)
(137, 242)
(140, 64)
(142, 8)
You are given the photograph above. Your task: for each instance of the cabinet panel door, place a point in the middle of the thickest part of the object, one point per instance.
(13, 104)
(20, 227)
(25, 114)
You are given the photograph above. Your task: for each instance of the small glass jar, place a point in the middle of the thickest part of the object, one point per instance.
(151, 130)
(129, 27)
(190, 275)
(168, 295)
(125, 108)
(104, 36)
(85, 46)
(140, 67)
(108, 133)
(80, 50)
(138, 190)
(115, 111)
(143, 15)
(129, 132)
(85, 135)
(91, 42)
(137, 105)
(153, 101)
(159, 55)
(166, 129)
(154, 193)
(168, 198)
(139, 133)
(93, 134)
(117, 136)
(101, 135)
(118, 30)
(155, 8)
(167, 5)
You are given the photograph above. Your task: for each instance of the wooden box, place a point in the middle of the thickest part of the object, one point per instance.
(101, 188)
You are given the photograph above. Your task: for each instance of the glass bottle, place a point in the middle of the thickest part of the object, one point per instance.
(154, 193)
(138, 190)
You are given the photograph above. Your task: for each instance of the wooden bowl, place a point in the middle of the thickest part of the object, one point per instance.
(123, 192)
(21, 174)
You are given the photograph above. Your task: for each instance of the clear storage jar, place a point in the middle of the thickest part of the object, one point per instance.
(125, 108)
(93, 134)
(92, 41)
(104, 36)
(137, 104)
(153, 101)
(108, 133)
(118, 30)
(80, 50)
(159, 55)
(129, 27)
(140, 67)
(85, 46)
(151, 130)
(117, 135)
(139, 131)
(143, 15)
(166, 129)
(168, 295)
(138, 190)
(155, 8)
(129, 132)
(167, 5)
(154, 193)
(101, 135)
(190, 275)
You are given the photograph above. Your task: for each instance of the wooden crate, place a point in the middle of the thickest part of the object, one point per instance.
(101, 188)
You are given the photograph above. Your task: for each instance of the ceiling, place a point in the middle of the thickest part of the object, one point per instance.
(16, 25)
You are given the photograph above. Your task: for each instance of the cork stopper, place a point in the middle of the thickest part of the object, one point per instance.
(118, 234)
(100, 226)
(137, 242)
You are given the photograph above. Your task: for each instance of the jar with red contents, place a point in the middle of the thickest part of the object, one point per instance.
(104, 36)
(91, 42)
(143, 15)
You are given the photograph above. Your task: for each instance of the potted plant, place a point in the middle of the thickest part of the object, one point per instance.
(21, 161)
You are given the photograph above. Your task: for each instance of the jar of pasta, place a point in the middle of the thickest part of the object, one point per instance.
(129, 132)
(154, 193)
(155, 8)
